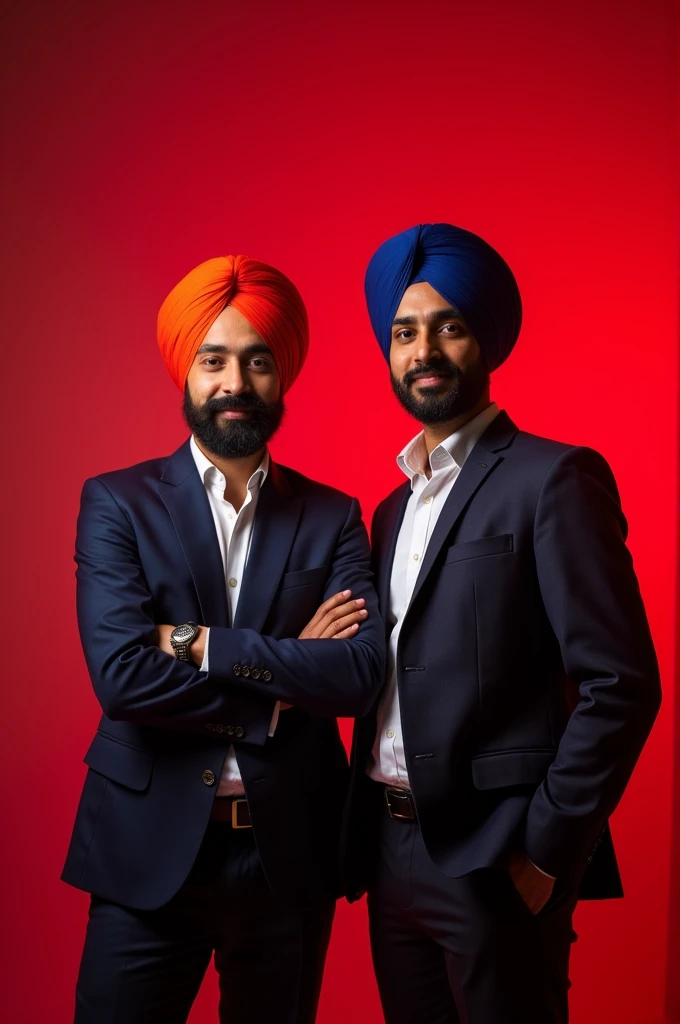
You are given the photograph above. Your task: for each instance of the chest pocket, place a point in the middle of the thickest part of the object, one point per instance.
(304, 578)
(479, 548)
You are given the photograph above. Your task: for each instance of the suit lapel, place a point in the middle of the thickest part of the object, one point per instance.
(183, 494)
(478, 465)
(276, 522)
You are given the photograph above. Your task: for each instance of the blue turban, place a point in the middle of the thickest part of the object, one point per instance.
(463, 268)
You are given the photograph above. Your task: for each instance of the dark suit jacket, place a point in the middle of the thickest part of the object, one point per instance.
(527, 677)
(147, 553)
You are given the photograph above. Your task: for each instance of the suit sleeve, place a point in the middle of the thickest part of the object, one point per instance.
(323, 677)
(593, 602)
(132, 678)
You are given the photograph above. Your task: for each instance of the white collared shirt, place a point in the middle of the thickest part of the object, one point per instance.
(234, 535)
(387, 763)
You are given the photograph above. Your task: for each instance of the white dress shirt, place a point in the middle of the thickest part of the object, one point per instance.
(234, 534)
(387, 763)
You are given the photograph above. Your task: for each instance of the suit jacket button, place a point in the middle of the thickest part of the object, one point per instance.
(267, 676)
(208, 777)
(589, 860)
(230, 730)
(255, 673)
(245, 671)
(239, 731)
(237, 670)
(219, 727)
(210, 727)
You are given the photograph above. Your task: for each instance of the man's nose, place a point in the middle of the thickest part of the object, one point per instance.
(426, 349)
(232, 380)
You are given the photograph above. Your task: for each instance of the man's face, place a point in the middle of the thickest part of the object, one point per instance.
(437, 367)
(232, 399)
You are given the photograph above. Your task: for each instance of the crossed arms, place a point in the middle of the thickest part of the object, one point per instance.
(134, 680)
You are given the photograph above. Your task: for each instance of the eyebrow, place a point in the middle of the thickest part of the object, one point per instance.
(258, 347)
(438, 314)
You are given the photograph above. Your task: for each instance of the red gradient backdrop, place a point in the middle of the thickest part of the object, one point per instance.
(143, 138)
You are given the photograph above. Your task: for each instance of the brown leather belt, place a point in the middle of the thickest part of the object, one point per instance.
(400, 804)
(232, 809)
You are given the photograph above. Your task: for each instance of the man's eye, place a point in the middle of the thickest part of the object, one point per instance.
(259, 364)
(405, 334)
(211, 361)
(452, 329)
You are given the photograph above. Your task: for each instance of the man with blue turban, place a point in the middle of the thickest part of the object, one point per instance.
(521, 682)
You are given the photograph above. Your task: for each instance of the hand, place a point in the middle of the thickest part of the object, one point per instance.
(534, 887)
(338, 618)
(196, 651)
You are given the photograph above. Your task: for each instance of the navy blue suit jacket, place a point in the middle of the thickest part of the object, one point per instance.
(526, 672)
(147, 553)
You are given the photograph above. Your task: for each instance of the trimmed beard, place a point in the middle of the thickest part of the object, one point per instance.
(233, 439)
(431, 405)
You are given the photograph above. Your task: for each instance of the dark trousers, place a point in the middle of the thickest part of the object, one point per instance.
(463, 950)
(145, 967)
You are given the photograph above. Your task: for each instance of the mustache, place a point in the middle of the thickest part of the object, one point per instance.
(443, 368)
(231, 402)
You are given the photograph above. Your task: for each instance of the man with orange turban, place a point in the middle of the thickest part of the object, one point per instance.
(212, 586)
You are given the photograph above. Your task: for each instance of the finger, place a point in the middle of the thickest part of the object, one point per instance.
(347, 633)
(341, 611)
(353, 618)
(332, 603)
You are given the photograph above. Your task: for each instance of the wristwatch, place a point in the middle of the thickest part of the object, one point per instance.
(182, 638)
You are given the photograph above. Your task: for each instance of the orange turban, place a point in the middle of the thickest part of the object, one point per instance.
(263, 295)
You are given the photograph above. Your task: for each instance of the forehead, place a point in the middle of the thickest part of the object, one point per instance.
(231, 328)
(420, 299)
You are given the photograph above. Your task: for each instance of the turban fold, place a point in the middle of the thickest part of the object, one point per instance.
(263, 295)
(463, 268)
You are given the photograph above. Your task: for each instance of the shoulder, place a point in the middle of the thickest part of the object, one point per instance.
(541, 455)
(553, 473)
(313, 491)
(129, 481)
(535, 448)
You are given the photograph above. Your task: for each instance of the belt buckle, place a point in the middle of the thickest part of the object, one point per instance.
(389, 790)
(234, 813)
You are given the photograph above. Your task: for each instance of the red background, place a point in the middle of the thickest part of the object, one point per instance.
(144, 138)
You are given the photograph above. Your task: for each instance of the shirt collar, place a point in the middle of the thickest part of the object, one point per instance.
(452, 451)
(210, 474)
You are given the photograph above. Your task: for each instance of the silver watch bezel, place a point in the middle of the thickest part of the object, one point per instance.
(178, 638)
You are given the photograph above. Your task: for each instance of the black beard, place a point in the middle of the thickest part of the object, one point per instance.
(432, 405)
(233, 439)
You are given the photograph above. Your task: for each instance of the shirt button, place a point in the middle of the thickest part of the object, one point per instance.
(229, 515)
(428, 499)
(416, 557)
(233, 582)
(390, 733)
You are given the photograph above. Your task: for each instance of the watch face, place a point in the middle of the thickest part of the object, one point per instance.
(181, 634)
